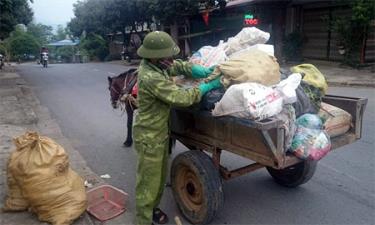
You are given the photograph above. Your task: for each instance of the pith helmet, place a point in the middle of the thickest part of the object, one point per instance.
(158, 44)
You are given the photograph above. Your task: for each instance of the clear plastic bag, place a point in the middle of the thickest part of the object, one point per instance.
(310, 140)
(310, 143)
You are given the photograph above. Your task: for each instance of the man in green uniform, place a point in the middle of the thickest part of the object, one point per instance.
(156, 95)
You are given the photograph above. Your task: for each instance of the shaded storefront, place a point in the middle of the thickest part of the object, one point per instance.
(314, 20)
(266, 15)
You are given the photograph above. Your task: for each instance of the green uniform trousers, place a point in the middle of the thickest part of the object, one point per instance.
(151, 175)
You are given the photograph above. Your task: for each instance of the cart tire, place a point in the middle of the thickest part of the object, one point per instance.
(197, 186)
(294, 175)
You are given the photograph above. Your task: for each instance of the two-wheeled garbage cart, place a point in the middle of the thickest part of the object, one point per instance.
(197, 175)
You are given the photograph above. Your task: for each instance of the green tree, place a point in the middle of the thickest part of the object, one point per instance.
(98, 17)
(65, 52)
(20, 43)
(13, 12)
(61, 33)
(95, 46)
(89, 17)
(41, 32)
(353, 31)
(101, 17)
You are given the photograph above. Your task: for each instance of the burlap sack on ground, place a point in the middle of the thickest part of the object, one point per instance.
(250, 66)
(40, 167)
(14, 200)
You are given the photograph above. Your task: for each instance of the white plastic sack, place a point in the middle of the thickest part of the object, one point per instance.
(249, 100)
(287, 88)
(269, 49)
(248, 36)
(209, 56)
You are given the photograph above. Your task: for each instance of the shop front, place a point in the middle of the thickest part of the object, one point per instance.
(268, 16)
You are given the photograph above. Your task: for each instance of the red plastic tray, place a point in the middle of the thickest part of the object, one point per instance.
(106, 202)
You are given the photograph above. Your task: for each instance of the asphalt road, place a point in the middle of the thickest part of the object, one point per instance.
(342, 190)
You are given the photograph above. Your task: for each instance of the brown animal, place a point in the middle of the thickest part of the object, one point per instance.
(120, 88)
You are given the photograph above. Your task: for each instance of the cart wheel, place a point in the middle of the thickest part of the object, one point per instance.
(294, 175)
(197, 186)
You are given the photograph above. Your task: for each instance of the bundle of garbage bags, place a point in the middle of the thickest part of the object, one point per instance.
(310, 140)
(255, 88)
(40, 180)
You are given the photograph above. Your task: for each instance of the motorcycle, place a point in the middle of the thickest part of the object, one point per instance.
(45, 61)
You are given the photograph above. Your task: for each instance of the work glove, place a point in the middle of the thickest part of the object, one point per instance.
(207, 87)
(198, 71)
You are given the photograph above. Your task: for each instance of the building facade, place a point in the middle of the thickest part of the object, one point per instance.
(311, 19)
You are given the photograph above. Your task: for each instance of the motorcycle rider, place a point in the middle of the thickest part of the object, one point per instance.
(157, 93)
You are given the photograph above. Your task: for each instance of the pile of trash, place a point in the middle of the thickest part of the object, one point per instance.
(255, 88)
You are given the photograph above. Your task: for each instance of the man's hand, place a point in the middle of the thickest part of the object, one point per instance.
(198, 71)
(206, 87)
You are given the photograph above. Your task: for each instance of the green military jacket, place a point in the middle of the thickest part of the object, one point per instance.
(157, 93)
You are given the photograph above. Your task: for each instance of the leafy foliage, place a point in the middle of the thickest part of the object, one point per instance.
(61, 34)
(21, 43)
(13, 12)
(89, 17)
(65, 52)
(353, 31)
(41, 32)
(97, 18)
(102, 17)
(95, 46)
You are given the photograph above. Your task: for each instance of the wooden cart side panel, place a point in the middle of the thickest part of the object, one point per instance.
(354, 106)
(252, 140)
(210, 144)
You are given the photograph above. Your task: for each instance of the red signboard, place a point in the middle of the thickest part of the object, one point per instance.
(250, 20)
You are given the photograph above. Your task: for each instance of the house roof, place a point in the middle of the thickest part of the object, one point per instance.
(66, 42)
